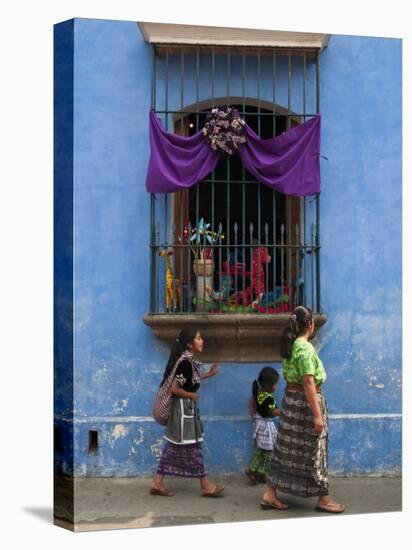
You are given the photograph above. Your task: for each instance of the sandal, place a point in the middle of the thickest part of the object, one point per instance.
(161, 492)
(251, 476)
(331, 508)
(218, 490)
(272, 506)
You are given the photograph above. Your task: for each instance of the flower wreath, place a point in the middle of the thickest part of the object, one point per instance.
(225, 130)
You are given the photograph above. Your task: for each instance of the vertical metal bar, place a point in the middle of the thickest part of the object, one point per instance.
(197, 205)
(318, 82)
(153, 252)
(228, 159)
(157, 270)
(182, 132)
(258, 89)
(289, 240)
(167, 90)
(189, 257)
(251, 261)
(318, 307)
(243, 183)
(282, 262)
(318, 277)
(213, 76)
(259, 247)
(266, 267)
(182, 78)
(289, 88)
(297, 251)
(153, 78)
(274, 90)
(304, 252)
(197, 86)
(235, 228)
(213, 172)
(213, 206)
(228, 172)
(172, 268)
(204, 272)
(243, 239)
(197, 248)
(228, 163)
(274, 255)
(181, 249)
(166, 196)
(228, 213)
(312, 265)
(301, 252)
(228, 77)
(259, 187)
(304, 87)
(220, 230)
(243, 81)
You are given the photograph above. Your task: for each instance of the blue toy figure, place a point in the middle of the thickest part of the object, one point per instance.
(224, 290)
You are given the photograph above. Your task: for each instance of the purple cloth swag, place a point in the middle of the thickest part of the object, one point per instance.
(288, 163)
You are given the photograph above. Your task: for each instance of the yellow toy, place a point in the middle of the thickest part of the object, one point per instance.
(173, 296)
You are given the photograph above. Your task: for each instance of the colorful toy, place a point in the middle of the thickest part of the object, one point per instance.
(202, 237)
(275, 301)
(253, 294)
(173, 296)
(224, 290)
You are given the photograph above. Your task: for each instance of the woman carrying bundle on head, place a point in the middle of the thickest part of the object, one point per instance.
(299, 459)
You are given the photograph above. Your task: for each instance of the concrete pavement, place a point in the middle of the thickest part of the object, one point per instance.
(124, 503)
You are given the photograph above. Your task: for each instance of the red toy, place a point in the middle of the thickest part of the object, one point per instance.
(256, 290)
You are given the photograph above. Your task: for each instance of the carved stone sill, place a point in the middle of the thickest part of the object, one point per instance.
(236, 337)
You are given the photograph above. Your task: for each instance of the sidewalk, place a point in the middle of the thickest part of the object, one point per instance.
(125, 503)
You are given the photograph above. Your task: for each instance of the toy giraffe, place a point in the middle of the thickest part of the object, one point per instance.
(172, 294)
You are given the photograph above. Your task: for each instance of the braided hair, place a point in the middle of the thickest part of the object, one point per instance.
(298, 325)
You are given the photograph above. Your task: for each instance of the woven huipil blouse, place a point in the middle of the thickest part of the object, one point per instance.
(303, 361)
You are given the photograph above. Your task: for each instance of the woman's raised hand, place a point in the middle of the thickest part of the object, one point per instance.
(214, 369)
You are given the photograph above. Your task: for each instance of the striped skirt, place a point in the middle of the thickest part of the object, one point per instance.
(182, 461)
(299, 464)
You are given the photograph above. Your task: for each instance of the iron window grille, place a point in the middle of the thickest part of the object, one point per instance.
(254, 220)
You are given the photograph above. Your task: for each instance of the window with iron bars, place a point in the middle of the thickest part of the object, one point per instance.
(230, 244)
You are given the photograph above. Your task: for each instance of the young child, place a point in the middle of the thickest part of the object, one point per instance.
(263, 408)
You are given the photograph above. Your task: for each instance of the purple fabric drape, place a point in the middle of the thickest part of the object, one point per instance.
(288, 163)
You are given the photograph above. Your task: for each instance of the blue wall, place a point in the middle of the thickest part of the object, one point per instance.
(63, 239)
(117, 360)
(361, 248)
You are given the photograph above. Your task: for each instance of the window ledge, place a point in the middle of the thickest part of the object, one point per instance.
(241, 337)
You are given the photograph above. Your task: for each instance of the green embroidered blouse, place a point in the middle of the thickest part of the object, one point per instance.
(303, 360)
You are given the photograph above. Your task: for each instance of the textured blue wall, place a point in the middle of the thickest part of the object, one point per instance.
(361, 249)
(63, 238)
(118, 362)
